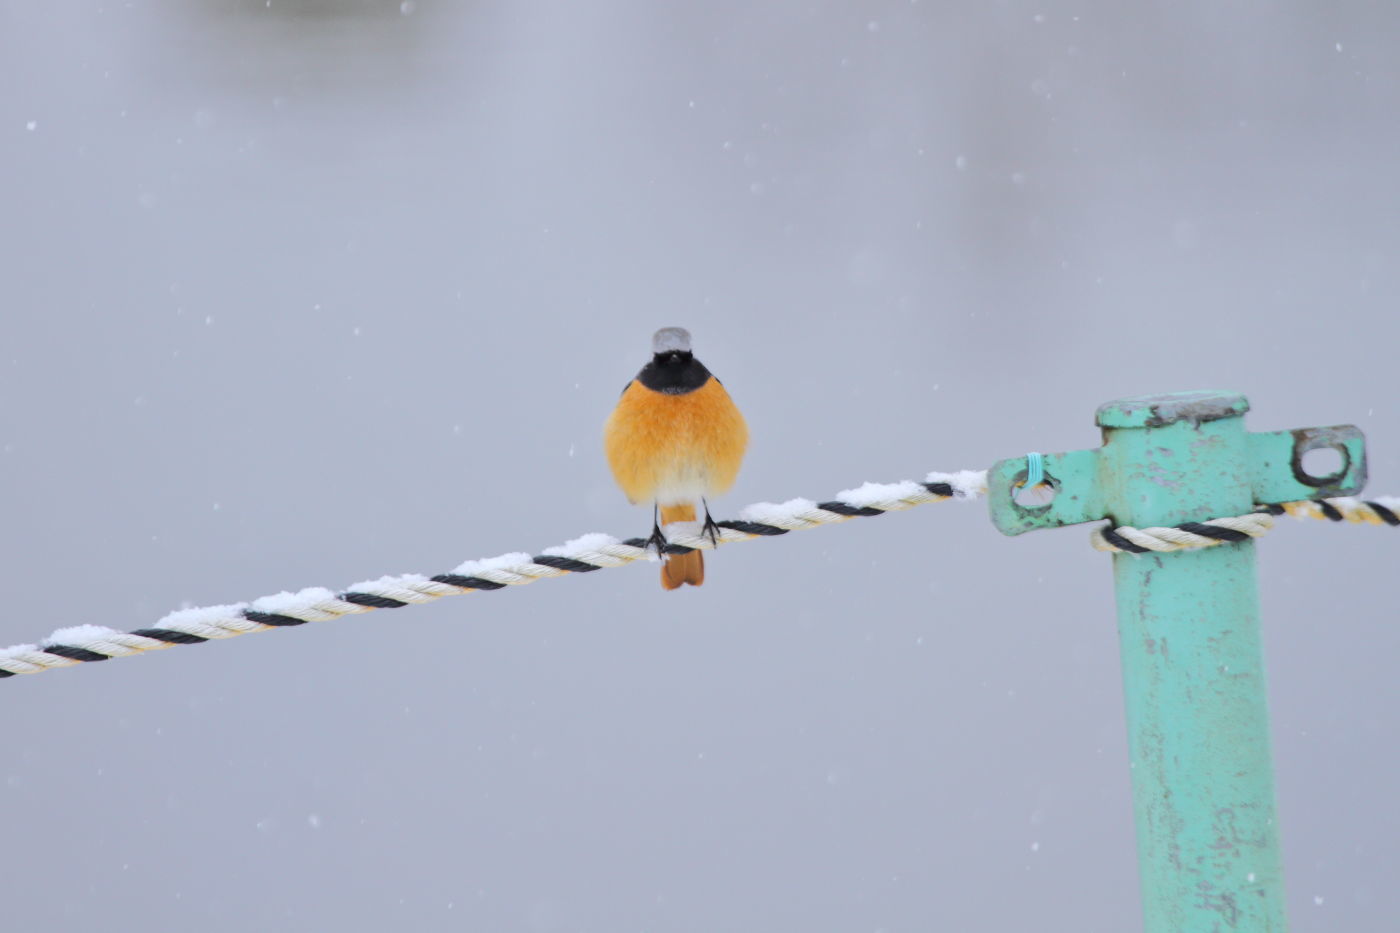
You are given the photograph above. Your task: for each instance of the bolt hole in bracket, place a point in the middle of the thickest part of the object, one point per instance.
(1320, 455)
(1308, 463)
(1284, 466)
(1037, 498)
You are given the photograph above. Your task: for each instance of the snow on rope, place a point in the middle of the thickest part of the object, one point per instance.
(1127, 539)
(82, 643)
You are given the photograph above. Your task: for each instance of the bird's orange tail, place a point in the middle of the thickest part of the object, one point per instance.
(681, 568)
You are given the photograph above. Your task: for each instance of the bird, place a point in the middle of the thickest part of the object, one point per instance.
(675, 437)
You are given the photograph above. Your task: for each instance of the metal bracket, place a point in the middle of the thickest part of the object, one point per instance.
(1084, 484)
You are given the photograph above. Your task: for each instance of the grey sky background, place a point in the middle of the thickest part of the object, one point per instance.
(304, 293)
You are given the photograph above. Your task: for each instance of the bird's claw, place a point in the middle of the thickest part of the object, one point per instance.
(711, 529)
(658, 541)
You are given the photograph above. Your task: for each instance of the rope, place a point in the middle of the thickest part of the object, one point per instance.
(1188, 535)
(1382, 511)
(86, 643)
(1126, 539)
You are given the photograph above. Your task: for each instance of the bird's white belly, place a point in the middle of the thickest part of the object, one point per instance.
(682, 481)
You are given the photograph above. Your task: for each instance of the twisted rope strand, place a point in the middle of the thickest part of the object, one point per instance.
(1382, 511)
(1188, 535)
(88, 643)
(1185, 536)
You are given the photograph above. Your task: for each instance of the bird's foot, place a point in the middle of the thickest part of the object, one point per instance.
(710, 528)
(658, 541)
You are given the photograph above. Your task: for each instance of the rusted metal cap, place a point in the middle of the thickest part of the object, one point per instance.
(1155, 411)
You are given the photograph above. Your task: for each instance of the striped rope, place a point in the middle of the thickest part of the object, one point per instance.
(1186, 536)
(1126, 539)
(1382, 511)
(87, 643)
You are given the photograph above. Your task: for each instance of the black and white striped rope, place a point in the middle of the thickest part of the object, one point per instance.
(87, 643)
(1188, 535)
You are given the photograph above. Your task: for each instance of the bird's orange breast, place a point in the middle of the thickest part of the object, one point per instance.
(675, 448)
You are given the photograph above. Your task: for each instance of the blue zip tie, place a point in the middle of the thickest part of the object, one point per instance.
(1035, 470)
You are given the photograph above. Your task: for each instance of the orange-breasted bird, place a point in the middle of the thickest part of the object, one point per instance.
(675, 437)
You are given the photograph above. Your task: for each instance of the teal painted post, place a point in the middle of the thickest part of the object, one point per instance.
(1188, 624)
(1193, 675)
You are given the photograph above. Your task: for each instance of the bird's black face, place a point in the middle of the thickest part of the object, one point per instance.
(674, 372)
(673, 358)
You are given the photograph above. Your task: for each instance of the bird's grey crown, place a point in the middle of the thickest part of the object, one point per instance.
(671, 339)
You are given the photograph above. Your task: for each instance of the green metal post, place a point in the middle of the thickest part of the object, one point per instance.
(1193, 677)
(1188, 624)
